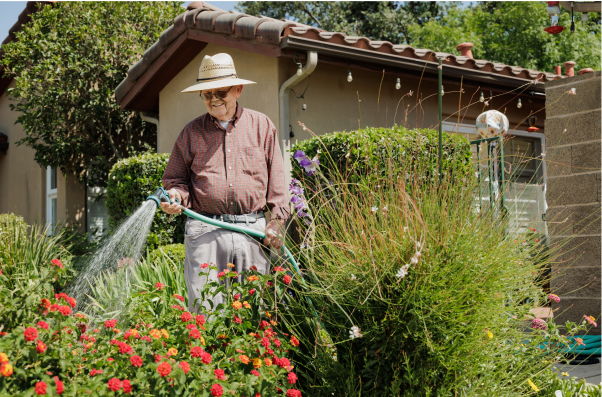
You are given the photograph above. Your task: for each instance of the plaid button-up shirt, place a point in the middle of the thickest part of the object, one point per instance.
(234, 171)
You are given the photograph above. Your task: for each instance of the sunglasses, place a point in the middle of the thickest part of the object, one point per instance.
(207, 96)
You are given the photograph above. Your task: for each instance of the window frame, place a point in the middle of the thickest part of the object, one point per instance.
(51, 194)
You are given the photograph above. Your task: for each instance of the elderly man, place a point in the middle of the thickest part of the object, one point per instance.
(226, 164)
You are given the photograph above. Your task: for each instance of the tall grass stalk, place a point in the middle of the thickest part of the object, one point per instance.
(454, 322)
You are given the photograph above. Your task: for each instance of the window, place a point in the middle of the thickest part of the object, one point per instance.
(97, 216)
(51, 198)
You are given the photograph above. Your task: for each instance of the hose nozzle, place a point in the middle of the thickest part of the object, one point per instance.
(159, 196)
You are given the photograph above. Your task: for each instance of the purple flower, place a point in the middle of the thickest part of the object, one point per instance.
(296, 190)
(538, 323)
(310, 166)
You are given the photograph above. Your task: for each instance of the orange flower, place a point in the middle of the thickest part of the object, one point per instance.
(237, 305)
(164, 369)
(268, 314)
(3, 358)
(268, 362)
(257, 362)
(244, 359)
(246, 305)
(294, 341)
(6, 369)
(230, 265)
(172, 351)
(155, 333)
(252, 278)
(165, 334)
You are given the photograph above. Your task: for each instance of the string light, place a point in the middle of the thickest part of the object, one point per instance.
(297, 60)
(398, 84)
(482, 98)
(442, 91)
(349, 76)
(519, 104)
(299, 70)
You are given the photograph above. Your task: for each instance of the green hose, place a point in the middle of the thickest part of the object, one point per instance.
(241, 229)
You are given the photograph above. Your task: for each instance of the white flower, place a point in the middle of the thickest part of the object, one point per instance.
(362, 232)
(543, 155)
(406, 229)
(355, 332)
(353, 277)
(418, 254)
(347, 155)
(384, 208)
(418, 244)
(374, 209)
(303, 246)
(403, 271)
(564, 131)
(414, 260)
(572, 91)
(476, 174)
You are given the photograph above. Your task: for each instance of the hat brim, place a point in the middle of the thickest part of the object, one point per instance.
(210, 85)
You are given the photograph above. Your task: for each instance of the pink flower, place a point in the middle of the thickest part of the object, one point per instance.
(554, 298)
(136, 361)
(292, 378)
(127, 387)
(265, 342)
(179, 297)
(579, 342)
(200, 319)
(30, 334)
(219, 374)
(590, 320)
(114, 384)
(40, 388)
(204, 265)
(194, 333)
(538, 323)
(110, 323)
(185, 366)
(159, 286)
(57, 263)
(216, 390)
(254, 372)
(221, 274)
(42, 324)
(186, 317)
(293, 393)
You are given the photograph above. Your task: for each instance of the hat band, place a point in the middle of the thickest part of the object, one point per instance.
(217, 78)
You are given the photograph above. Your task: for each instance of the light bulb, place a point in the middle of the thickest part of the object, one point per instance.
(519, 104)
(304, 107)
(349, 76)
(482, 98)
(397, 84)
(299, 70)
(442, 91)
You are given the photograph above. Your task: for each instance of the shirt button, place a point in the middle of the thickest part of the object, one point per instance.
(228, 150)
(229, 168)
(230, 184)
(231, 203)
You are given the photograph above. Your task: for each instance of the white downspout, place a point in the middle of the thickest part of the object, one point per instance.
(285, 89)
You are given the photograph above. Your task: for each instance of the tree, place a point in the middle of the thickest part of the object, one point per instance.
(67, 62)
(378, 20)
(512, 33)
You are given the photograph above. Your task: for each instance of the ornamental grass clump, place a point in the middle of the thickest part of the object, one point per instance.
(415, 290)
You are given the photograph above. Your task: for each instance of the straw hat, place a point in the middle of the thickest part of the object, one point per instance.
(216, 72)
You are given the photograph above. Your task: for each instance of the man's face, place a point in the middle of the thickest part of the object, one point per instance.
(222, 108)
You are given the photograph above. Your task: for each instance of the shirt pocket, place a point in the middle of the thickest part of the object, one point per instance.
(196, 229)
(252, 161)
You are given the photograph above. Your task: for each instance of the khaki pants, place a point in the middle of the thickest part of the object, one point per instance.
(218, 246)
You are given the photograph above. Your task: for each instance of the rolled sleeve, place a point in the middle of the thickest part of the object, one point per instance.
(276, 197)
(177, 172)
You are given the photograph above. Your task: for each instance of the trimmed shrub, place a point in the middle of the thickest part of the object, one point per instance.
(372, 153)
(131, 181)
(175, 252)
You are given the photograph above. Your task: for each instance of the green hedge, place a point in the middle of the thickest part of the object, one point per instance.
(356, 152)
(131, 181)
(175, 252)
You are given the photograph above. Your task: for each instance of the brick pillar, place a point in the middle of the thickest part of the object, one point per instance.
(572, 129)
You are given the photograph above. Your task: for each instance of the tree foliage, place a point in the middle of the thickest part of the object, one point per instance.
(67, 62)
(512, 33)
(509, 32)
(378, 20)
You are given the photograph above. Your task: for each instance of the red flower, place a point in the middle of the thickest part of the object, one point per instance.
(254, 268)
(254, 372)
(114, 384)
(237, 320)
(185, 366)
(236, 297)
(287, 279)
(190, 326)
(95, 372)
(282, 362)
(179, 297)
(124, 348)
(294, 341)
(40, 388)
(42, 324)
(64, 310)
(195, 333)
(263, 324)
(45, 303)
(277, 342)
(30, 334)
(40, 347)
(110, 323)
(159, 286)
(278, 269)
(57, 263)
(216, 390)
(292, 378)
(60, 388)
(110, 359)
(164, 369)
(205, 358)
(265, 342)
(270, 284)
(219, 374)
(196, 351)
(293, 393)
(204, 265)
(146, 338)
(252, 291)
(200, 319)
(127, 387)
(136, 361)
(186, 317)
(221, 274)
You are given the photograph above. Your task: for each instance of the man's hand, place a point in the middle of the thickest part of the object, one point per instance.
(274, 234)
(173, 208)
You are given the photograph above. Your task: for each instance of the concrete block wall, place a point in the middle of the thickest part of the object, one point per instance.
(573, 141)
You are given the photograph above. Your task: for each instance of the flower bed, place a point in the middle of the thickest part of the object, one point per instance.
(241, 351)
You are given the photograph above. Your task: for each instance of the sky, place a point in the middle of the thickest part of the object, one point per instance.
(10, 10)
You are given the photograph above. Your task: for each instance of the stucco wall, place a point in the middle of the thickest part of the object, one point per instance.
(573, 135)
(332, 102)
(23, 181)
(177, 109)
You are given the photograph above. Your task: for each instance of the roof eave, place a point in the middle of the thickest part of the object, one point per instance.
(405, 63)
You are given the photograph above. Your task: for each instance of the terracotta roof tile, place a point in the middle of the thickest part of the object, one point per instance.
(271, 31)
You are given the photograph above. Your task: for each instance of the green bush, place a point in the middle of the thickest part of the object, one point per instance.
(131, 181)
(373, 152)
(175, 252)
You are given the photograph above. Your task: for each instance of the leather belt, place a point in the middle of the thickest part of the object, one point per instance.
(247, 218)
